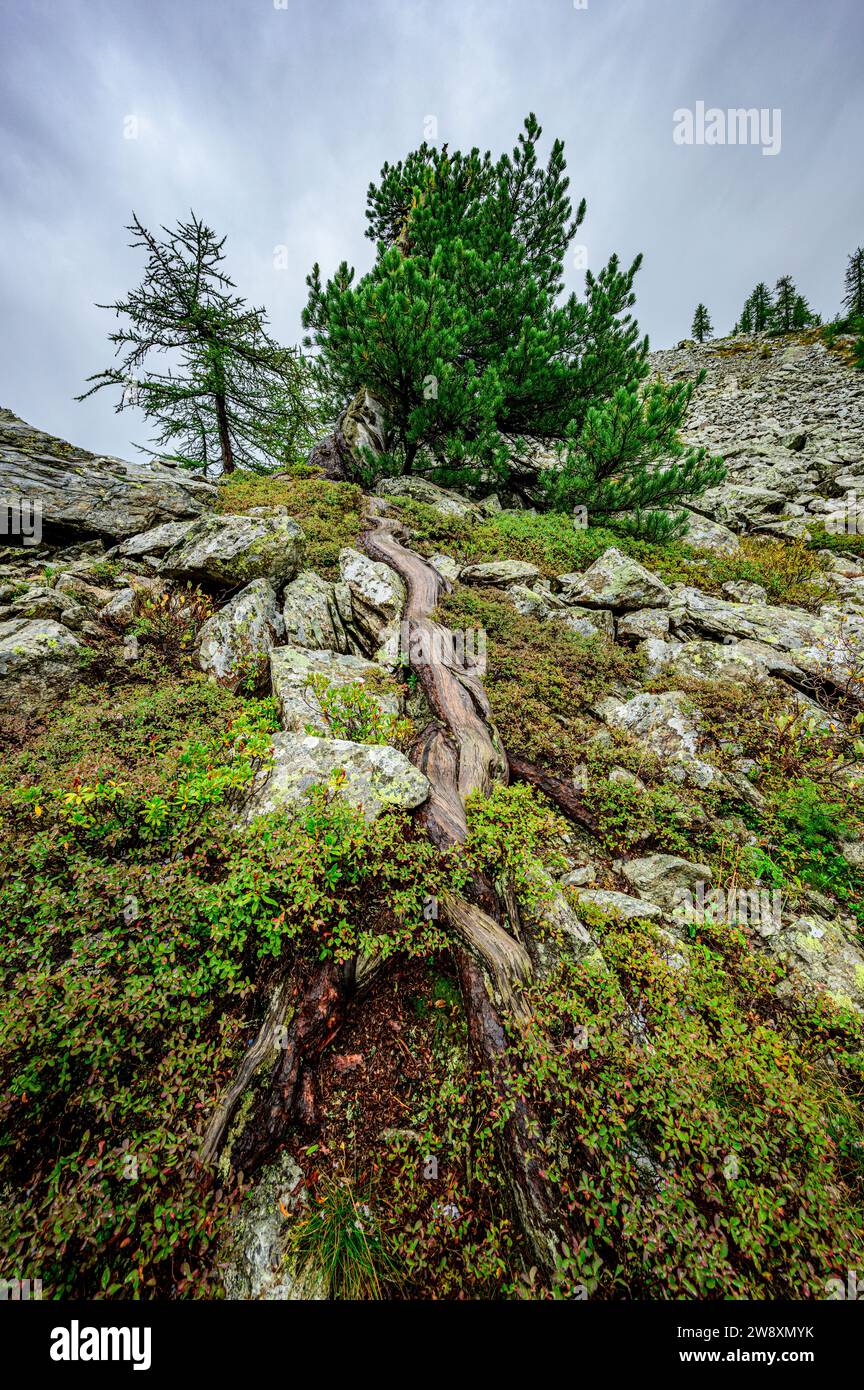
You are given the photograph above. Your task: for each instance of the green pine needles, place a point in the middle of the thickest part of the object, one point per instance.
(462, 331)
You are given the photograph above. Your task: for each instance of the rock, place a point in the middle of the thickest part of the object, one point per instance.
(828, 644)
(38, 601)
(236, 549)
(667, 726)
(584, 622)
(447, 567)
(235, 643)
(821, 954)
(534, 603)
(157, 541)
(707, 661)
(420, 490)
(373, 777)
(615, 581)
(292, 669)
(709, 535)
(666, 879)
(744, 592)
(363, 426)
(258, 1245)
(500, 574)
(643, 623)
(83, 493)
(311, 614)
(620, 904)
(39, 661)
(120, 610)
(378, 596)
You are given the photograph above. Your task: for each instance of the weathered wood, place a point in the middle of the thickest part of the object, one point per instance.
(316, 1022)
(559, 790)
(505, 960)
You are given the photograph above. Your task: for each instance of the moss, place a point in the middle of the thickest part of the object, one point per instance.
(541, 680)
(328, 512)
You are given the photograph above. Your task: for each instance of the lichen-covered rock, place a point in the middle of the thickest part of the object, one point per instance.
(39, 661)
(157, 541)
(373, 777)
(643, 623)
(292, 670)
(81, 492)
(237, 640)
(584, 622)
(667, 725)
(257, 1246)
(666, 878)
(710, 535)
(378, 597)
(828, 644)
(615, 581)
(500, 574)
(235, 549)
(446, 502)
(311, 614)
(823, 956)
(621, 904)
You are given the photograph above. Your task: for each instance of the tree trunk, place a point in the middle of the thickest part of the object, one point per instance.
(224, 435)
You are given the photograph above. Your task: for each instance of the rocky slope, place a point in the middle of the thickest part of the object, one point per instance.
(709, 765)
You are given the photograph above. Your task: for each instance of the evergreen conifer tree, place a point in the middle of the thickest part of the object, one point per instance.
(461, 331)
(701, 327)
(853, 299)
(231, 395)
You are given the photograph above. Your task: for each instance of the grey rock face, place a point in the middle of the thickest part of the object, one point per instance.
(500, 574)
(81, 492)
(292, 669)
(373, 777)
(311, 614)
(39, 661)
(236, 549)
(157, 541)
(377, 594)
(258, 1246)
(233, 643)
(621, 903)
(665, 878)
(446, 502)
(615, 581)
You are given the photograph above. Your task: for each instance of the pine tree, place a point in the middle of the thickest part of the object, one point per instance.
(701, 327)
(745, 323)
(853, 299)
(802, 314)
(785, 299)
(460, 329)
(761, 307)
(233, 395)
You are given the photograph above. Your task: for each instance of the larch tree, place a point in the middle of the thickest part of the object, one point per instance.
(230, 394)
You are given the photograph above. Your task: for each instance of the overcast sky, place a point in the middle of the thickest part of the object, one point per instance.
(270, 117)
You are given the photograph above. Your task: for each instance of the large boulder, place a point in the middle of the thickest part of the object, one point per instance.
(39, 661)
(378, 598)
(312, 613)
(292, 670)
(259, 1261)
(666, 878)
(235, 549)
(236, 641)
(155, 542)
(421, 490)
(89, 495)
(829, 644)
(615, 581)
(373, 777)
(500, 574)
(667, 726)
